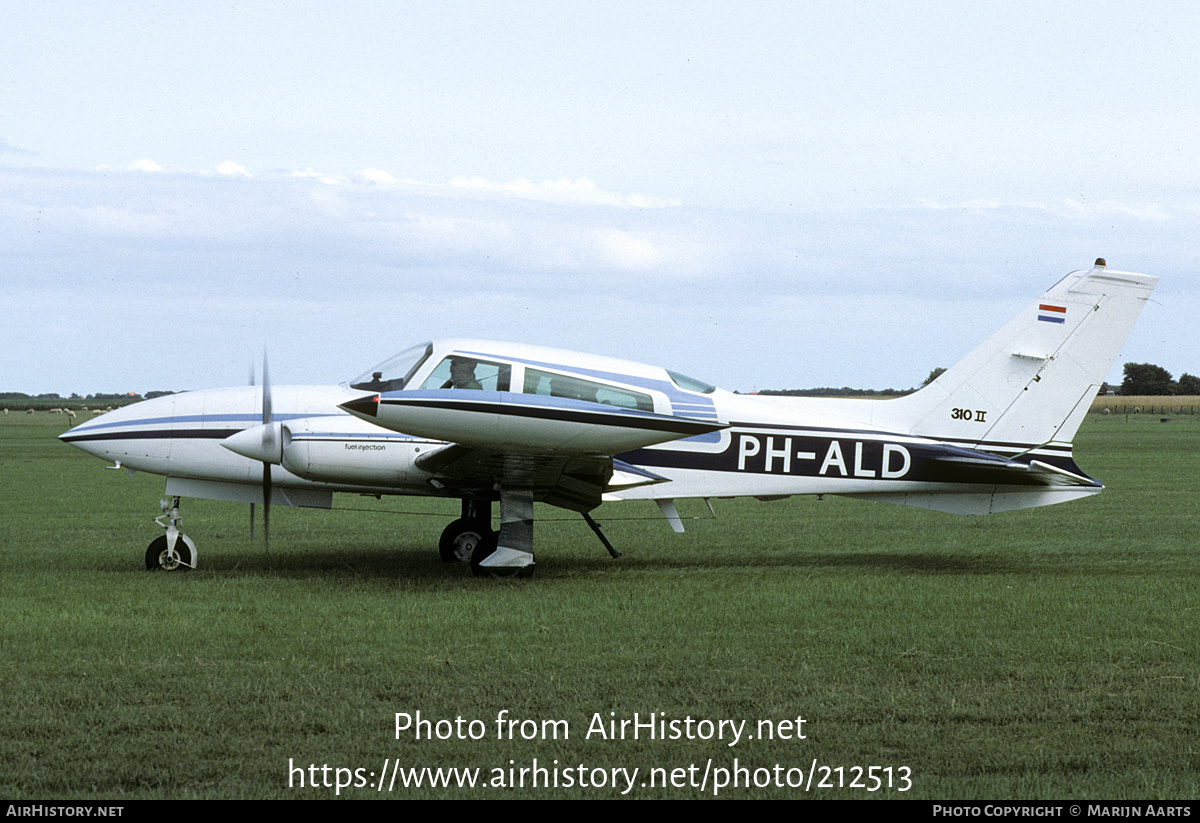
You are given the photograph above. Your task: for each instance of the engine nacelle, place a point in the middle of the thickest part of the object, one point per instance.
(372, 458)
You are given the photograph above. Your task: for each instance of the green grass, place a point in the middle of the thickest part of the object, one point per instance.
(1049, 653)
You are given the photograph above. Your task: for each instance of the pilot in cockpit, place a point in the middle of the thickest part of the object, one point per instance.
(462, 374)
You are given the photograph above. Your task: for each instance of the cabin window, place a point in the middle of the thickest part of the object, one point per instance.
(459, 372)
(575, 388)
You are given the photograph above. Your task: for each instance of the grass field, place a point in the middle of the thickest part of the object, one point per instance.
(1050, 653)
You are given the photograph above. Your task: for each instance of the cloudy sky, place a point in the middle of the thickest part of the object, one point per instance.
(762, 195)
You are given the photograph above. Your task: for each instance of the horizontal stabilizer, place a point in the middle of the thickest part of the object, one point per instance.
(987, 468)
(1053, 476)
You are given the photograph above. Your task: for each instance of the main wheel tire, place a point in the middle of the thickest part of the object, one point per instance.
(159, 559)
(461, 539)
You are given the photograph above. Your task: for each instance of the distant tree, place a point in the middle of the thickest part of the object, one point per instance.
(933, 375)
(1146, 378)
(1188, 384)
(826, 391)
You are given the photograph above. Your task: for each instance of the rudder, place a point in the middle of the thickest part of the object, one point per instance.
(1030, 384)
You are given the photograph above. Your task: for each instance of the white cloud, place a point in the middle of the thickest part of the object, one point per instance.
(562, 190)
(1143, 211)
(377, 176)
(568, 271)
(626, 251)
(1157, 212)
(145, 164)
(328, 179)
(230, 168)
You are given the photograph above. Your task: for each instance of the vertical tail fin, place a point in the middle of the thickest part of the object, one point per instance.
(1030, 384)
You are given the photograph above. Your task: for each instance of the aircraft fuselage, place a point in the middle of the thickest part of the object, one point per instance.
(484, 421)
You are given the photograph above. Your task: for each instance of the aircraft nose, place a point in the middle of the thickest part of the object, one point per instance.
(101, 436)
(139, 432)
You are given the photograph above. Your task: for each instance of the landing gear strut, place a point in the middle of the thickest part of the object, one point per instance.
(174, 550)
(509, 553)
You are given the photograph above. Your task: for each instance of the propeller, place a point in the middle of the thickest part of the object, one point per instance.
(268, 438)
(268, 441)
(263, 443)
(251, 505)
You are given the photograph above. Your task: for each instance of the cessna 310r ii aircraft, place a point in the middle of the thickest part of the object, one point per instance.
(486, 422)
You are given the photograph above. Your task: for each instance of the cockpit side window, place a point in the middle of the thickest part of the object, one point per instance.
(393, 374)
(458, 372)
(575, 388)
(691, 383)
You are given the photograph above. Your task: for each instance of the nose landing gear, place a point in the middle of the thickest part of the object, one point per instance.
(174, 550)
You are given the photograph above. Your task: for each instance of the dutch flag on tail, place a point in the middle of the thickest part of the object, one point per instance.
(1052, 314)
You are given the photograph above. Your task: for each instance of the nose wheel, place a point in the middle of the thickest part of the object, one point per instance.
(173, 550)
(162, 556)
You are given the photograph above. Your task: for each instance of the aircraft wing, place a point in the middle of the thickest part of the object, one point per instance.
(574, 482)
(528, 424)
(560, 449)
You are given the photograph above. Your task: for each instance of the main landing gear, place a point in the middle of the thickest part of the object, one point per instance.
(506, 553)
(174, 550)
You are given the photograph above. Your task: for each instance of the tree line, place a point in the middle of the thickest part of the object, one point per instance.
(1142, 379)
(1149, 379)
(21, 401)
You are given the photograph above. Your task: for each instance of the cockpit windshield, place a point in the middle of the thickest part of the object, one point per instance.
(394, 373)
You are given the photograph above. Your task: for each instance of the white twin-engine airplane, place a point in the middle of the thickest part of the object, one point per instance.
(483, 421)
